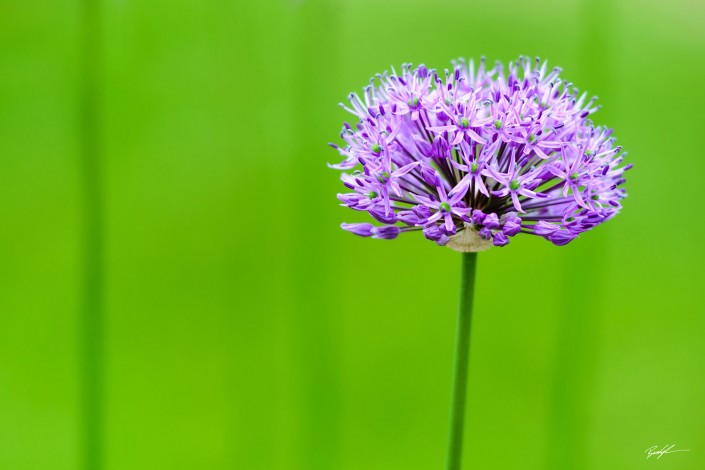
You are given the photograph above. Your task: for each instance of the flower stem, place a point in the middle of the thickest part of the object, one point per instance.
(92, 311)
(462, 355)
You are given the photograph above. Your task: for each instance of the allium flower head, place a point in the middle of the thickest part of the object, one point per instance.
(474, 156)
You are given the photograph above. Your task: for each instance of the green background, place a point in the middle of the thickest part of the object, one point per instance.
(170, 232)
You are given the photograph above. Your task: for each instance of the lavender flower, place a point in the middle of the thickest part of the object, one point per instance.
(472, 157)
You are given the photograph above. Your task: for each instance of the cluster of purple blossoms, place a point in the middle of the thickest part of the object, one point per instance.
(472, 157)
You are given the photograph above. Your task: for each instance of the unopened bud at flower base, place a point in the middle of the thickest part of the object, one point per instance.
(491, 221)
(478, 217)
(499, 239)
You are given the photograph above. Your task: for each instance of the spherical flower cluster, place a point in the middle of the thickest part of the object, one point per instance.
(473, 157)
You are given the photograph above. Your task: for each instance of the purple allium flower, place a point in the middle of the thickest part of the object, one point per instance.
(474, 156)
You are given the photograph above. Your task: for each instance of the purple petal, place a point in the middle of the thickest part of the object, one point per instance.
(485, 233)
(433, 232)
(499, 239)
(544, 228)
(491, 221)
(388, 232)
(380, 215)
(363, 230)
(561, 237)
(478, 217)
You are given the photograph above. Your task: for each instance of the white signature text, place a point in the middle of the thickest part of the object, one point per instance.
(660, 452)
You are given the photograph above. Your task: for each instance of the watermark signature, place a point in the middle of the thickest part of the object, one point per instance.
(655, 451)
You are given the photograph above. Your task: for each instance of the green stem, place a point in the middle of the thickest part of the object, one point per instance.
(91, 319)
(462, 355)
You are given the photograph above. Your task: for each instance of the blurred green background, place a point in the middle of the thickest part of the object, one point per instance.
(175, 291)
